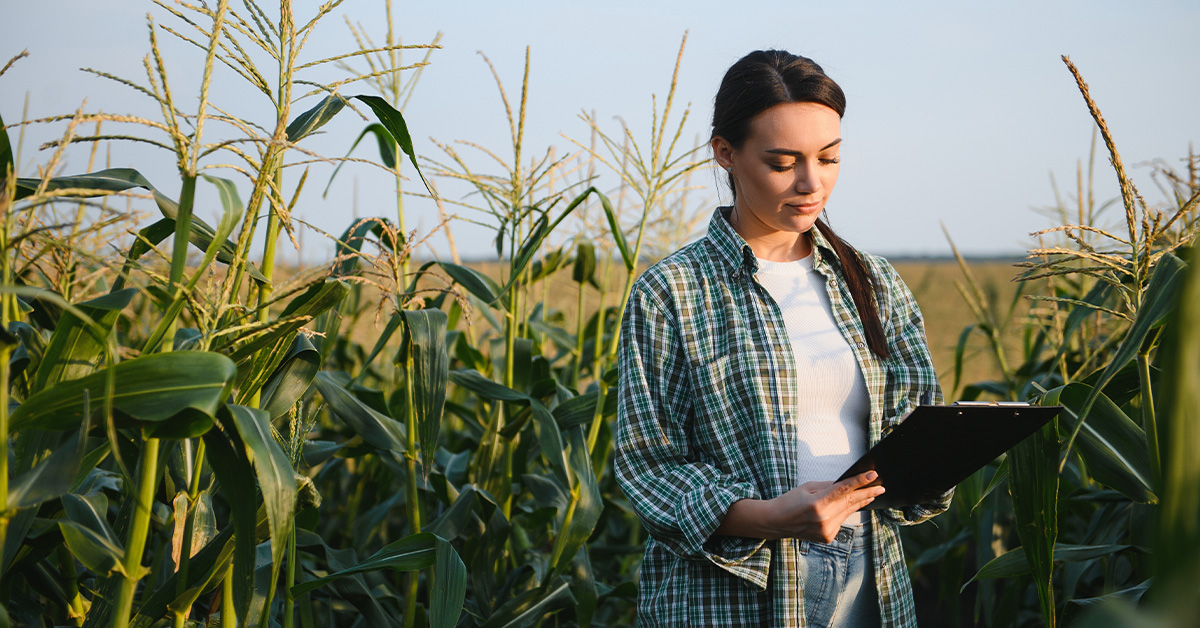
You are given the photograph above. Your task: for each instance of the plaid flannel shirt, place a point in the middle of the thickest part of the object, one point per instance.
(707, 416)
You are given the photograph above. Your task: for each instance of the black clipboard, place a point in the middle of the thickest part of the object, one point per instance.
(936, 447)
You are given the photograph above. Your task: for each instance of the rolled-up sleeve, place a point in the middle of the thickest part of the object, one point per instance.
(679, 500)
(910, 374)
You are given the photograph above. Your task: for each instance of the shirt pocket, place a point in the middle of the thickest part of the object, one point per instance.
(726, 424)
(710, 382)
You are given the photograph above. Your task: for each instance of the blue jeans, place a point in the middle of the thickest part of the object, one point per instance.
(838, 581)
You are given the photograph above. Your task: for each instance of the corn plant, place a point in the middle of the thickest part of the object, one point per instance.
(1084, 490)
(108, 408)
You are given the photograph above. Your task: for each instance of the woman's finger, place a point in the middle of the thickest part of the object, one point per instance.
(853, 493)
(851, 484)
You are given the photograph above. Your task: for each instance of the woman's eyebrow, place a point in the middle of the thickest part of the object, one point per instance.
(796, 153)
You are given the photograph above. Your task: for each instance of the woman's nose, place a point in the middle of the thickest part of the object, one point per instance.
(807, 181)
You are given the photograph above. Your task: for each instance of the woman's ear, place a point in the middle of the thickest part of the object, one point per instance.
(722, 152)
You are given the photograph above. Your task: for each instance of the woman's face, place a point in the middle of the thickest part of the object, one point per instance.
(784, 173)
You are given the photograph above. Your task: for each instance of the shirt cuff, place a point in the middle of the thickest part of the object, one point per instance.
(701, 512)
(911, 515)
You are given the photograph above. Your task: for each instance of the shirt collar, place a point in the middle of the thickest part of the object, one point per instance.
(738, 255)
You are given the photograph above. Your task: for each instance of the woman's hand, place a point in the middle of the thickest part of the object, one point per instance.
(811, 512)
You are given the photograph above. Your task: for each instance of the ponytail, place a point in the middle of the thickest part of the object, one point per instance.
(863, 287)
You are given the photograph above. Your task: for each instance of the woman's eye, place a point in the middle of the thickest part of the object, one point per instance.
(830, 161)
(781, 167)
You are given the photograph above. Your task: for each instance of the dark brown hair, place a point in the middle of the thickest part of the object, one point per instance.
(761, 80)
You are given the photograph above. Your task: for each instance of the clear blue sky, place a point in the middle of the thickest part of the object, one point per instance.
(958, 111)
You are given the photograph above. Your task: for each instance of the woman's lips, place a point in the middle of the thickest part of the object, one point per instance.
(806, 208)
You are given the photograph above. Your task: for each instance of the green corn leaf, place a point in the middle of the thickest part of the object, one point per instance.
(614, 227)
(101, 554)
(227, 455)
(479, 285)
(1177, 542)
(88, 535)
(317, 299)
(32, 343)
(150, 388)
(380, 431)
(1132, 595)
(231, 214)
(998, 480)
(1157, 303)
(394, 122)
(561, 338)
(380, 343)
(548, 434)
(188, 423)
(146, 239)
(937, 553)
(90, 512)
(1110, 443)
(528, 608)
(586, 505)
(1033, 484)
(50, 478)
(353, 589)
(349, 246)
(88, 185)
(523, 352)
(584, 268)
(549, 264)
(77, 345)
(578, 411)
(1015, 563)
(205, 570)
(455, 518)
(292, 378)
(275, 476)
(309, 121)
(87, 465)
(411, 553)
(547, 492)
(449, 587)
(544, 228)
(387, 150)
(317, 451)
(6, 154)
(187, 339)
(425, 339)
(583, 587)
(959, 350)
(529, 248)
(232, 211)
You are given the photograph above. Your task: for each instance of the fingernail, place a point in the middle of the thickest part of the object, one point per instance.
(871, 475)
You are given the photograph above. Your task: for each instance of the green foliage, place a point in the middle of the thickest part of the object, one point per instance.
(1088, 499)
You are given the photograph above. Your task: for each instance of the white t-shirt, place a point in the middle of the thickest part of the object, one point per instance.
(833, 408)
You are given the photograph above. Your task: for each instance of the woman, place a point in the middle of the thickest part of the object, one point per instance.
(756, 365)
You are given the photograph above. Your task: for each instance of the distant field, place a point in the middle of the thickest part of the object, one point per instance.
(946, 314)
